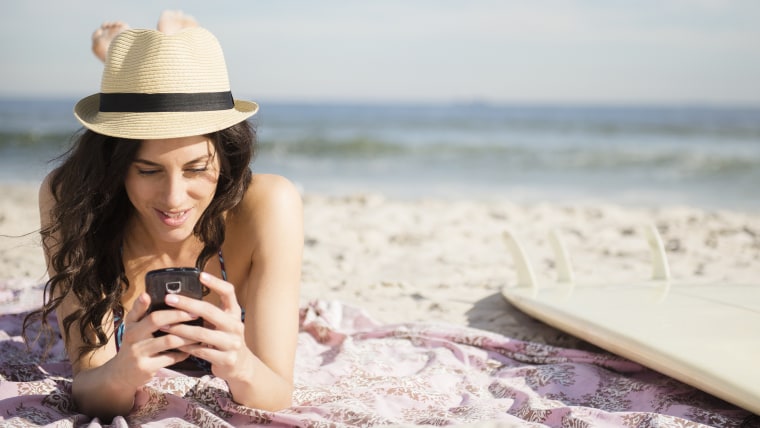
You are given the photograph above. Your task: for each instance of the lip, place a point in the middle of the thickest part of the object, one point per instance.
(173, 218)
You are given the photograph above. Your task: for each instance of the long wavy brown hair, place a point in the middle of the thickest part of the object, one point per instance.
(85, 235)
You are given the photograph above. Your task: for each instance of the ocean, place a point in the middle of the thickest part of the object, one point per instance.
(636, 155)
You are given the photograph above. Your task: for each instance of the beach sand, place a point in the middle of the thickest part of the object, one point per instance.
(446, 260)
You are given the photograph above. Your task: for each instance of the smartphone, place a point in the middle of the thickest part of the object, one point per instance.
(184, 281)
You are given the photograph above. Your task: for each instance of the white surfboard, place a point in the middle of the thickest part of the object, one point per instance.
(705, 335)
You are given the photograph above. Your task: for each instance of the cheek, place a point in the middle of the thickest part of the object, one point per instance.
(204, 187)
(136, 190)
(205, 192)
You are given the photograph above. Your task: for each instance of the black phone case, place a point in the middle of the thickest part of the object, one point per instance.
(184, 281)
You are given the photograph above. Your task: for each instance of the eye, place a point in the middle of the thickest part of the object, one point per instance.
(197, 167)
(147, 171)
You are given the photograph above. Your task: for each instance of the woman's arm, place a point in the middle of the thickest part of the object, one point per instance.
(256, 358)
(272, 297)
(104, 382)
(95, 390)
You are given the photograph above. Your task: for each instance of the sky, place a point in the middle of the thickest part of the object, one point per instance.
(430, 51)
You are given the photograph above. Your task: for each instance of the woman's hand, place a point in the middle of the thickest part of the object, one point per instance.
(221, 341)
(141, 354)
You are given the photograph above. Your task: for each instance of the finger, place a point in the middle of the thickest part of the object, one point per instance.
(140, 365)
(168, 358)
(139, 307)
(167, 317)
(220, 319)
(152, 322)
(154, 346)
(194, 333)
(218, 339)
(168, 343)
(205, 352)
(224, 289)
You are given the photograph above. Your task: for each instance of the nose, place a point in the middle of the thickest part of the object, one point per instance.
(175, 191)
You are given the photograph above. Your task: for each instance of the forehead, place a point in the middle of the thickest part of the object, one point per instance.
(183, 147)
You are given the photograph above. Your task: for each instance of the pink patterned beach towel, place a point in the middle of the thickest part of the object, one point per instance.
(352, 371)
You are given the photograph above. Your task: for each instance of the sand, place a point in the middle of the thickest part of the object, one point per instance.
(446, 260)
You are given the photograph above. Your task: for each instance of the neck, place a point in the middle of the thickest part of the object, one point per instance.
(139, 244)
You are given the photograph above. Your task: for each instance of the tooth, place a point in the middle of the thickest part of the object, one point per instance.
(174, 215)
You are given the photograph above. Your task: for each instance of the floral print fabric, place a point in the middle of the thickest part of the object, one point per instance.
(352, 371)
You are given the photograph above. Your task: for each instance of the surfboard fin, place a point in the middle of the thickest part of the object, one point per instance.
(660, 268)
(562, 259)
(525, 276)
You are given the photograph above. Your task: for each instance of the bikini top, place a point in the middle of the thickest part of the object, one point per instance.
(200, 363)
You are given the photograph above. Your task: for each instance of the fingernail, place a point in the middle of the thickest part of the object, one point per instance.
(205, 276)
(165, 328)
(192, 316)
(171, 299)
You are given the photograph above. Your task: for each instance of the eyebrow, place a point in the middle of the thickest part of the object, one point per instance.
(204, 158)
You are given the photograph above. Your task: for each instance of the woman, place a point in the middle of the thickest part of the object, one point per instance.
(160, 178)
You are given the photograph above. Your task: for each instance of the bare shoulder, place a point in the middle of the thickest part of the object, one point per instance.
(273, 191)
(273, 187)
(269, 196)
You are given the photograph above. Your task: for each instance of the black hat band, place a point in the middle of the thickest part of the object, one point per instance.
(159, 103)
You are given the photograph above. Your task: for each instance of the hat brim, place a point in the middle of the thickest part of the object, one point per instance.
(150, 126)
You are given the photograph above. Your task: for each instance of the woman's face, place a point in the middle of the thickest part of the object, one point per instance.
(170, 183)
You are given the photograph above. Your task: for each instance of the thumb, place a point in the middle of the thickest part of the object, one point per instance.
(139, 307)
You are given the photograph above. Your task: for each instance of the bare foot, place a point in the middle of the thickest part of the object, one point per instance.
(172, 21)
(101, 38)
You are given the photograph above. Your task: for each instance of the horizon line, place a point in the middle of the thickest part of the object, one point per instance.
(454, 102)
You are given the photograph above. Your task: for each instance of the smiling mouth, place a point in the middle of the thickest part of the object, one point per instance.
(173, 218)
(174, 215)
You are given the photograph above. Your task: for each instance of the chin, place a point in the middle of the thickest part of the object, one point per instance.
(177, 236)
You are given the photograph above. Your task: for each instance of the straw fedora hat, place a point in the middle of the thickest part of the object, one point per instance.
(163, 86)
